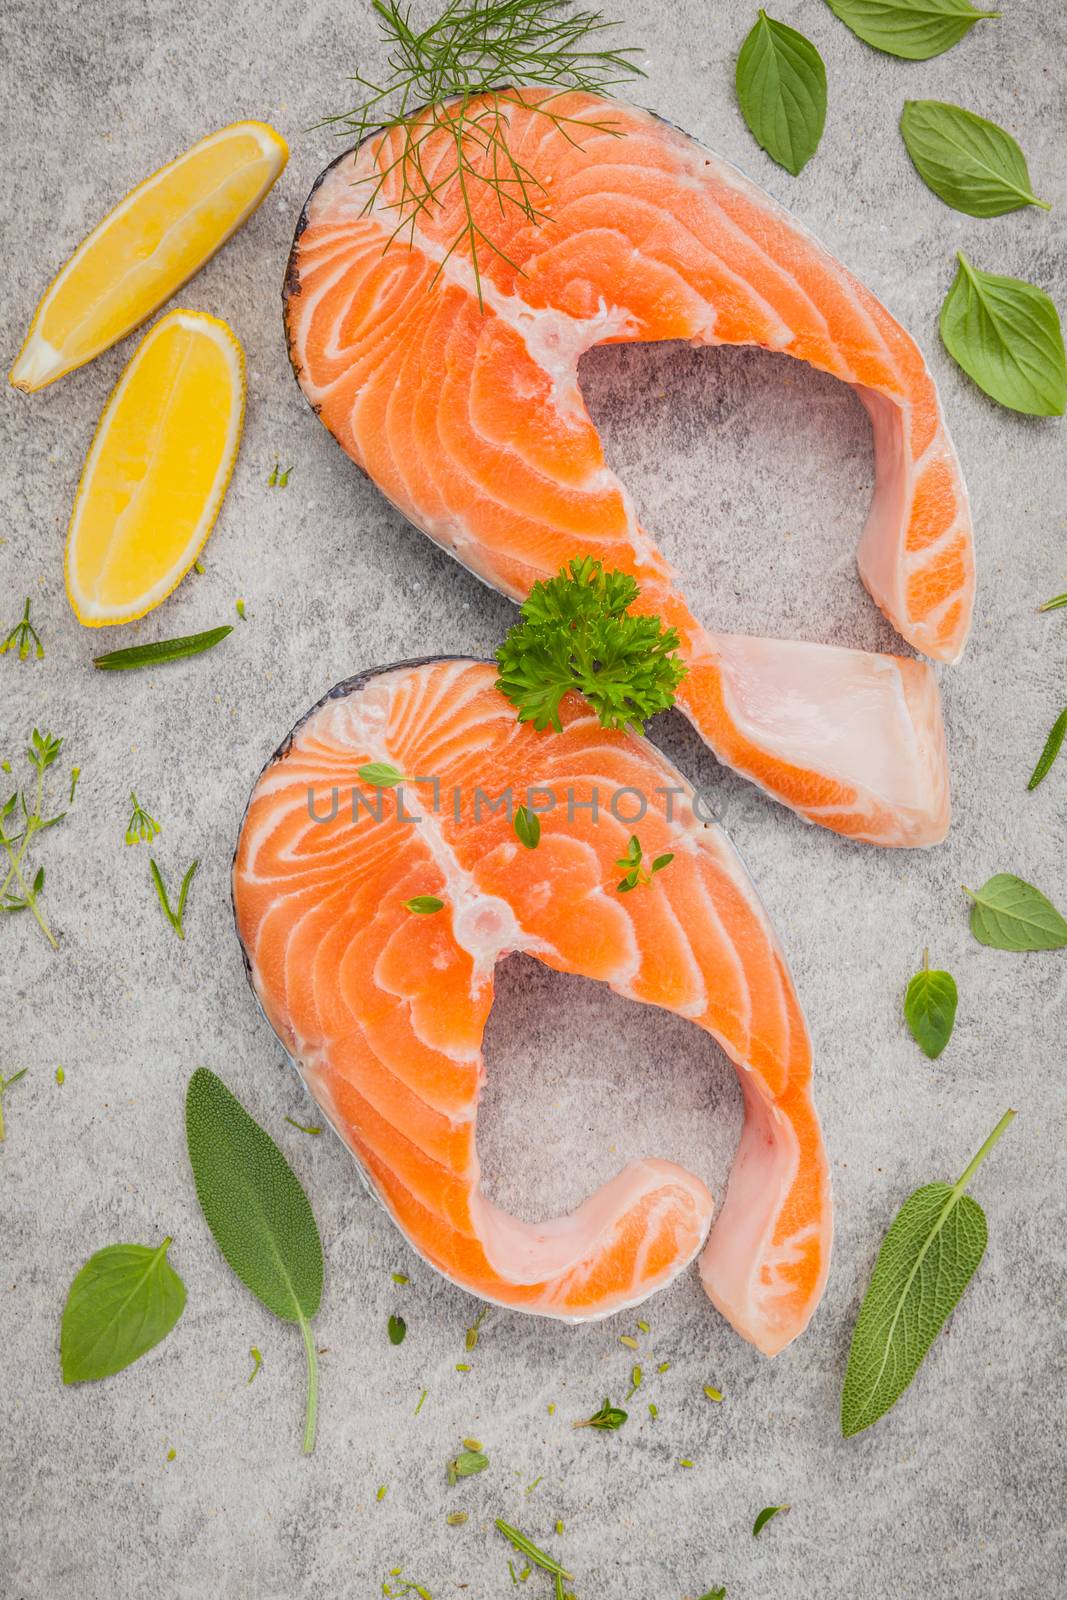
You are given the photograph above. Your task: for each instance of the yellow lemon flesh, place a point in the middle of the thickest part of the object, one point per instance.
(157, 469)
(146, 248)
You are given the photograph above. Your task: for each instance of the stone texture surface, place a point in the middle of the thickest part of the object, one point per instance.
(756, 475)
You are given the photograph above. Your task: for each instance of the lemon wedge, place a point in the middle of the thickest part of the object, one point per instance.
(157, 469)
(146, 248)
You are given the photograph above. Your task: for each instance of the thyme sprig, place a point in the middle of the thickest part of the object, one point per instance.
(456, 78)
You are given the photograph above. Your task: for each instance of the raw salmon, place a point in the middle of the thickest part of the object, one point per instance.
(471, 421)
(383, 1008)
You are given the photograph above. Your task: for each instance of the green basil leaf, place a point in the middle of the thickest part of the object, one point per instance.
(259, 1214)
(125, 1299)
(764, 1517)
(781, 89)
(527, 826)
(930, 1010)
(973, 165)
(1006, 335)
(381, 774)
(912, 29)
(1051, 750)
(397, 1329)
(1010, 914)
(926, 1261)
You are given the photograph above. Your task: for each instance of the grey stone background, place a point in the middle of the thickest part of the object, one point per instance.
(756, 475)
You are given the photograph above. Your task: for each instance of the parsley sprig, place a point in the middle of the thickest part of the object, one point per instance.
(577, 633)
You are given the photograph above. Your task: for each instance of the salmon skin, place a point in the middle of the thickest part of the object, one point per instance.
(471, 421)
(383, 1008)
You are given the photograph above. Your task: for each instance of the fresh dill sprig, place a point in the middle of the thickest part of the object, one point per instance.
(42, 753)
(141, 825)
(22, 636)
(459, 78)
(577, 633)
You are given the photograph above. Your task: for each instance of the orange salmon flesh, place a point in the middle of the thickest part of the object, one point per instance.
(384, 1009)
(470, 418)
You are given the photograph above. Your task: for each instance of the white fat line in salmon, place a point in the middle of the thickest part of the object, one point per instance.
(540, 799)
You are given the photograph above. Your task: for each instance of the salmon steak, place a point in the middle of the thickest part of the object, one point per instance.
(458, 394)
(372, 919)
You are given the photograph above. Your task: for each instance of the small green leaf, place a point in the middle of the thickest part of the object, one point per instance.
(527, 826)
(1057, 603)
(1010, 914)
(466, 1464)
(259, 1214)
(971, 164)
(161, 651)
(930, 1009)
(608, 1419)
(926, 1261)
(424, 905)
(125, 1299)
(381, 775)
(714, 1594)
(781, 89)
(663, 861)
(1052, 749)
(1006, 335)
(912, 29)
(397, 1329)
(764, 1517)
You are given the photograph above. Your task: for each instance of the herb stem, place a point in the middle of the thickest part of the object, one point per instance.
(313, 1384)
(976, 1162)
(27, 893)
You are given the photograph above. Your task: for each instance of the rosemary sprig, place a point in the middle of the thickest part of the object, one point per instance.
(5, 1084)
(174, 917)
(141, 825)
(42, 753)
(453, 80)
(22, 637)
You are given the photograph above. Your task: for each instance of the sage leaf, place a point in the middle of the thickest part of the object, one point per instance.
(926, 1261)
(1010, 914)
(259, 1214)
(912, 29)
(930, 1009)
(1051, 750)
(1006, 335)
(973, 165)
(764, 1517)
(781, 89)
(397, 1329)
(125, 1299)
